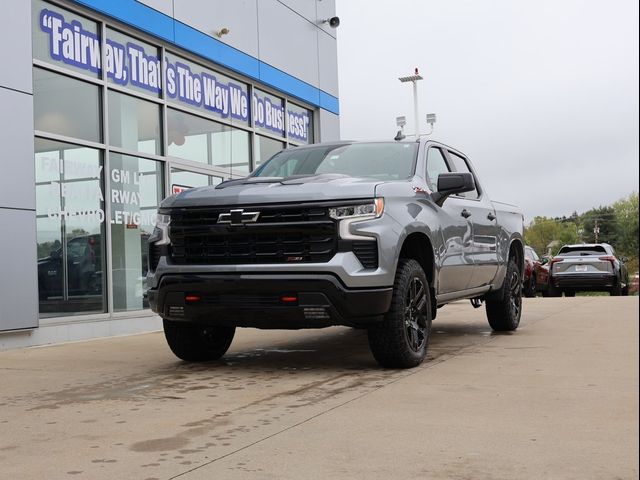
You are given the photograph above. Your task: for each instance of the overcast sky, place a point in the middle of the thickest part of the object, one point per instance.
(541, 95)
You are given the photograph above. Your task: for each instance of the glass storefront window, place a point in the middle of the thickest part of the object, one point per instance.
(135, 192)
(138, 66)
(268, 113)
(182, 180)
(265, 148)
(134, 124)
(299, 124)
(211, 119)
(191, 85)
(240, 152)
(199, 140)
(52, 26)
(66, 106)
(70, 228)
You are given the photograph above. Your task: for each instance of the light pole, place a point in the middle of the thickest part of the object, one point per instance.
(414, 79)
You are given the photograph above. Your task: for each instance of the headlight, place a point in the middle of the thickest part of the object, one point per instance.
(349, 214)
(361, 211)
(160, 234)
(162, 220)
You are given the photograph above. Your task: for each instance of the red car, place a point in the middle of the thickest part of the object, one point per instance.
(532, 264)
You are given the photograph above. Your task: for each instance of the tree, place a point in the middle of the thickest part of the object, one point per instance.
(543, 232)
(604, 219)
(626, 215)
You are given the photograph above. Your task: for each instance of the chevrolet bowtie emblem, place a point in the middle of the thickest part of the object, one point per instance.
(238, 217)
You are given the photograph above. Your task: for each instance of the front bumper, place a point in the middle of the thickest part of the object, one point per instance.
(583, 281)
(255, 300)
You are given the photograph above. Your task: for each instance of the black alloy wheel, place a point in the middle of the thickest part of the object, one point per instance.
(401, 339)
(504, 307)
(515, 294)
(415, 314)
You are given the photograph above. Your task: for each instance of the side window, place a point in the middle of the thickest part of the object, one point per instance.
(436, 164)
(460, 165)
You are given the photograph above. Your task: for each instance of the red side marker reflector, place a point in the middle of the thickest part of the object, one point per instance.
(289, 298)
(192, 298)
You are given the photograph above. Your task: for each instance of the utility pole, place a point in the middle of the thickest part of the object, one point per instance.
(414, 79)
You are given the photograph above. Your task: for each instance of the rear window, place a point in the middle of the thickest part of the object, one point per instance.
(582, 250)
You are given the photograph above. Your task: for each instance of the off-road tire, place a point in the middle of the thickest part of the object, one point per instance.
(504, 308)
(402, 338)
(197, 343)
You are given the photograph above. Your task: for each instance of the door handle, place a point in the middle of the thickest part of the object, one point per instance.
(465, 213)
(491, 216)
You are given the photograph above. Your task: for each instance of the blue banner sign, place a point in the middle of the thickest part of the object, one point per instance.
(128, 64)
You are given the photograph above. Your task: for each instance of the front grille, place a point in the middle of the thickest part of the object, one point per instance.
(367, 252)
(281, 234)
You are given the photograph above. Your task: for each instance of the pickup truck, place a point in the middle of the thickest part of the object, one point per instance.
(374, 235)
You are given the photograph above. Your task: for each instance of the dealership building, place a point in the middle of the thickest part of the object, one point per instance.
(107, 107)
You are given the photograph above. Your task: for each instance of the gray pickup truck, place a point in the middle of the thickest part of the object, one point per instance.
(374, 235)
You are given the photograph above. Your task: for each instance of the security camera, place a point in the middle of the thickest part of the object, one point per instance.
(334, 22)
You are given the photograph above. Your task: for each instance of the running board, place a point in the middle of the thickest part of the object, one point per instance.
(444, 298)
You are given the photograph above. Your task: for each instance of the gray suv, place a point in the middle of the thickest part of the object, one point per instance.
(374, 235)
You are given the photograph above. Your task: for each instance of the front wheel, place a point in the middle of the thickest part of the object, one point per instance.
(401, 340)
(505, 307)
(197, 343)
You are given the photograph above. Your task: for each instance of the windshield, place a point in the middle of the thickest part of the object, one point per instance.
(383, 161)
(530, 254)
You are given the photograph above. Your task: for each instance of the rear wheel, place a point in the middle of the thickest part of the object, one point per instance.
(401, 340)
(553, 291)
(504, 308)
(197, 343)
(616, 291)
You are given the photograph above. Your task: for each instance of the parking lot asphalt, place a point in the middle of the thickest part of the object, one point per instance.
(557, 399)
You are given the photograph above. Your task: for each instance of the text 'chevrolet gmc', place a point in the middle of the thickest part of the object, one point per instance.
(374, 235)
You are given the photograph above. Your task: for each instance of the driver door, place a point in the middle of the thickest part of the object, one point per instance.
(454, 259)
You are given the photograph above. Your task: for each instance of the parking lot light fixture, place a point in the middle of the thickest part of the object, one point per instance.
(414, 79)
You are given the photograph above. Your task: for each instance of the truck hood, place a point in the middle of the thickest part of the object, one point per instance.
(260, 190)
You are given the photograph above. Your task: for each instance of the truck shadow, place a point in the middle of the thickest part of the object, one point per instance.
(339, 349)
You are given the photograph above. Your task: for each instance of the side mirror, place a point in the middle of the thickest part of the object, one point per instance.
(55, 254)
(452, 183)
(623, 259)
